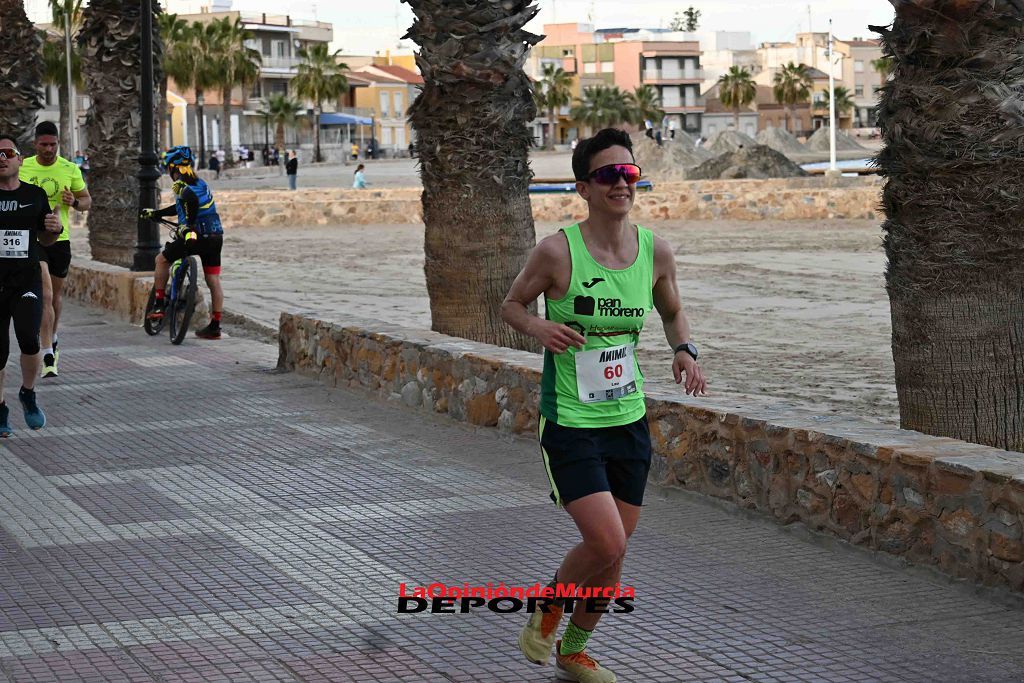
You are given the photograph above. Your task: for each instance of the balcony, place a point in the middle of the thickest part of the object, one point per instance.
(672, 77)
(279, 63)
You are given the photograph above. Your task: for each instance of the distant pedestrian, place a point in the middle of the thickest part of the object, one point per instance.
(649, 128)
(359, 181)
(355, 151)
(266, 156)
(292, 169)
(275, 157)
(572, 145)
(221, 157)
(86, 167)
(215, 165)
(251, 160)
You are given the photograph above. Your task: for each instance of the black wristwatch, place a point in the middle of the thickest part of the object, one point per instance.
(74, 204)
(689, 348)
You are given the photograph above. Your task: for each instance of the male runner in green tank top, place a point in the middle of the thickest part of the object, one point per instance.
(600, 280)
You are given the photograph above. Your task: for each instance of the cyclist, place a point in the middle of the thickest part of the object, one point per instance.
(26, 225)
(64, 184)
(199, 234)
(600, 279)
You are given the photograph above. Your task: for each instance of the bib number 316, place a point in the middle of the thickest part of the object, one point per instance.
(605, 374)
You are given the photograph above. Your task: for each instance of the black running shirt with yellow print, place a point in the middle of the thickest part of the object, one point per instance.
(600, 385)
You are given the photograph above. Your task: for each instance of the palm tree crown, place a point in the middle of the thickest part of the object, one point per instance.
(600, 106)
(320, 79)
(552, 92)
(844, 103)
(644, 104)
(736, 89)
(792, 86)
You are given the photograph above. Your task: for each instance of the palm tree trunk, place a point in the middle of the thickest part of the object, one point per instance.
(736, 119)
(552, 125)
(316, 135)
(111, 60)
(953, 244)
(21, 71)
(66, 141)
(279, 135)
(471, 122)
(225, 120)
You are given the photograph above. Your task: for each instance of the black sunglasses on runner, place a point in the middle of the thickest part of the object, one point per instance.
(9, 153)
(610, 174)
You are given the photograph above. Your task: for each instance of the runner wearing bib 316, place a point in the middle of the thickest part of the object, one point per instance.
(600, 279)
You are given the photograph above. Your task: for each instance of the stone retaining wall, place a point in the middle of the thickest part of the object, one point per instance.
(781, 199)
(119, 290)
(956, 506)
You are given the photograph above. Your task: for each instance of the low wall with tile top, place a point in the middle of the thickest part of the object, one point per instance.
(952, 505)
(778, 199)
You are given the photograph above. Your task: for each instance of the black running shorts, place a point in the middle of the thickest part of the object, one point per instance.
(58, 258)
(581, 461)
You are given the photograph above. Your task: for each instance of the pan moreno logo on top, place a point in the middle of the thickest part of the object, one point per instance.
(611, 307)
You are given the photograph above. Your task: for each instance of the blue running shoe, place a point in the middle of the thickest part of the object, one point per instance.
(34, 417)
(5, 424)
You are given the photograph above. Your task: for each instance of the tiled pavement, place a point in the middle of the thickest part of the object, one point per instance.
(191, 515)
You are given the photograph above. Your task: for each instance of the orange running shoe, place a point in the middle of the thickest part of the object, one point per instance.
(537, 637)
(580, 667)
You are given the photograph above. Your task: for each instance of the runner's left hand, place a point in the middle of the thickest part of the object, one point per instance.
(684, 365)
(67, 197)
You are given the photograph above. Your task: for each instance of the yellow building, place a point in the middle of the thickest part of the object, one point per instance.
(392, 88)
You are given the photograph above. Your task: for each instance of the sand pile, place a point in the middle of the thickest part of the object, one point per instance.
(671, 160)
(756, 161)
(728, 141)
(819, 142)
(781, 140)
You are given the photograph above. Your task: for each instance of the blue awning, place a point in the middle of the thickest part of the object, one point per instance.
(344, 120)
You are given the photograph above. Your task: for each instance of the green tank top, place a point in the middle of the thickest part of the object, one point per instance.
(600, 385)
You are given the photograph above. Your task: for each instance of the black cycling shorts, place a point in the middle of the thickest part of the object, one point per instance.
(25, 308)
(581, 461)
(206, 248)
(58, 258)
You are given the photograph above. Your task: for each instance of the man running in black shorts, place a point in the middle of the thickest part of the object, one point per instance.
(25, 223)
(199, 234)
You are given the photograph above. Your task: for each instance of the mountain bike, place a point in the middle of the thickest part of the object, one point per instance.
(181, 296)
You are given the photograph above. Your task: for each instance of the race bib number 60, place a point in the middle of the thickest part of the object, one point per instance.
(605, 374)
(14, 243)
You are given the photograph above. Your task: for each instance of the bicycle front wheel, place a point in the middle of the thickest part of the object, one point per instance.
(181, 309)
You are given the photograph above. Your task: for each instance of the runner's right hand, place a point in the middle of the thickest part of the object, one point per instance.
(556, 337)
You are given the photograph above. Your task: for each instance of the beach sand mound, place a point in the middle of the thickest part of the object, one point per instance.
(671, 160)
(781, 140)
(756, 161)
(728, 141)
(819, 142)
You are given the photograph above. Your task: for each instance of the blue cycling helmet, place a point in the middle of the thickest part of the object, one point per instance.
(179, 156)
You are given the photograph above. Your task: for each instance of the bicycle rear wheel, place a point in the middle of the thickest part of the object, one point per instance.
(182, 308)
(152, 327)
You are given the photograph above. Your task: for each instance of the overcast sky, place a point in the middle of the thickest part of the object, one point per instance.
(361, 26)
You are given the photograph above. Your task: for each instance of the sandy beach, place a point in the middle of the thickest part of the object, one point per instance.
(783, 312)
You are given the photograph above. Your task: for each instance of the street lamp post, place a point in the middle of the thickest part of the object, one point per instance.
(72, 114)
(832, 170)
(148, 244)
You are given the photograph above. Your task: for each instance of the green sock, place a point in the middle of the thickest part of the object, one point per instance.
(574, 640)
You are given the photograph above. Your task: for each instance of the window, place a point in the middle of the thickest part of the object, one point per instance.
(590, 67)
(858, 66)
(670, 68)
(385, 100)
(257, 90)
(399, 109)
(670, 96)
(858, 90)
(399, 138)
(607, 67)
(385, 136)
(280, 48)
(567, 52)
(691, 97)
(278, 87)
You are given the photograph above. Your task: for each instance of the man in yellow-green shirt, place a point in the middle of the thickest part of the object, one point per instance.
(62, 181)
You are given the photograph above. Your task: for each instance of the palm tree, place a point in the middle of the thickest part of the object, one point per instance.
(55, 66)
(112, 61)
(644, 104)
(952, 201)
(280, 110)
(320, 79)
(736, 90)
(844, 103)
(239, 65)
(472, 141)
(177, 64)
(883, 65)
(21, 71)
(792, 86)
(554, 91)
(600, 106)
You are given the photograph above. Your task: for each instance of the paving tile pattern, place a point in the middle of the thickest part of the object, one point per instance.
(189, 514)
